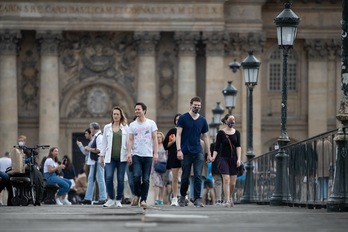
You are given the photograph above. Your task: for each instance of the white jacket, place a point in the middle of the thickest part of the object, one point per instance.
(107, 142)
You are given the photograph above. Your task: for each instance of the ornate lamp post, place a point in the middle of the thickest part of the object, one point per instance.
(338, 200)
(217, 114)
(230, 93)
(216, 121)
(286, 23)
(251, 70)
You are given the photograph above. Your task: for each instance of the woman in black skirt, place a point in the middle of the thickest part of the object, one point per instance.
(173, 163)
(228, 140)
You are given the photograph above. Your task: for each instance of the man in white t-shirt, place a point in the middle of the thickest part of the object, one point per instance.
(5, 162)
(142, 151)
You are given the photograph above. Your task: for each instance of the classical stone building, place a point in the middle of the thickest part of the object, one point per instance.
(64, 64)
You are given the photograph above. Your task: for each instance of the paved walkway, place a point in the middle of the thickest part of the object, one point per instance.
(241, 218)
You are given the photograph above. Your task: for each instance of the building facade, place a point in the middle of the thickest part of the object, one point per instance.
(64, 64)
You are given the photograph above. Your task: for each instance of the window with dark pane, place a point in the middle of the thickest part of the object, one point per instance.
(276, 71)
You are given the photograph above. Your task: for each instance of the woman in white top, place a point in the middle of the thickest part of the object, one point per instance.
(114, 155)
(51, 166)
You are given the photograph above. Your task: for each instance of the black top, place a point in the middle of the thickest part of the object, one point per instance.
(172, 161)
(221, 140)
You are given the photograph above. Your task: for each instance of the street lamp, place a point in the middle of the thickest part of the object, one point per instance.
(217, 113)
(286, 23)
(216, 120)
(234, 66)
(230, 93)
(251, 71)
(212, 129)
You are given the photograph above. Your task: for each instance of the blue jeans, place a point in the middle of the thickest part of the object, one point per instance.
(109, 178)
(323, 188)
(192, 180)
(100, 180)
(197, 161)
(64, 184)
(141, 172)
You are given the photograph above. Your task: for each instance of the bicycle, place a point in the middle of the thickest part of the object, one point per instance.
(28, 189)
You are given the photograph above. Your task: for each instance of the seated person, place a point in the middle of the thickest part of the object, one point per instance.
(81, 184)
(51, 166)
(6, 183)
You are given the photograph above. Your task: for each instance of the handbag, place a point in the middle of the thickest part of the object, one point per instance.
(161, 167)
(241, 168)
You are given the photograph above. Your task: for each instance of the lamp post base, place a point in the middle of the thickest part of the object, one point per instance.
(249, 195)
(338, 200)
(281, 195)
(338, 204)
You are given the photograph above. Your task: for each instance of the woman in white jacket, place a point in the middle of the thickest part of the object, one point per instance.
(114, 155)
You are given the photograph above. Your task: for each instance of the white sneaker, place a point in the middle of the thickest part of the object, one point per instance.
(65, 201)
(174, 201)
(109, 203)
(118, 204)
(58, 202)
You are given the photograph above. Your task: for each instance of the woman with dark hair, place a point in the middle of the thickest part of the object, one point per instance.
(114, 155)
(69, 170)
(228, 142)
(51, 166)
(173, 163)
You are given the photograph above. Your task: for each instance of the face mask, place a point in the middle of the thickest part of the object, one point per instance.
(230, 124)
(195, 109)
(21, 143)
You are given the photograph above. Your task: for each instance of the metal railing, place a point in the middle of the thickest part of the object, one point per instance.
(311, 171)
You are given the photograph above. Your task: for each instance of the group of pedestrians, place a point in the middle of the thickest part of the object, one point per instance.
(139, 146)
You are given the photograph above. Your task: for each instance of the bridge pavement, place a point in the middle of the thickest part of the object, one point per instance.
(241, 218)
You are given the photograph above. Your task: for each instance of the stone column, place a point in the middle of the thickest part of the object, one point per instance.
(317, 86)
(215, 81)
(147, 91)
(187, 68)
(8, 90)
(49, 129)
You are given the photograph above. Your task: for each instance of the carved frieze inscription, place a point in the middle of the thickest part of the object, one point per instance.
(81, 10)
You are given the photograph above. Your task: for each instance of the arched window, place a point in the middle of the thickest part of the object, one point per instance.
(276, 71)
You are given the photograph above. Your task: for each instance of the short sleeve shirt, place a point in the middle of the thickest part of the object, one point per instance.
(142, 132)
(49, 162)
(191, 133)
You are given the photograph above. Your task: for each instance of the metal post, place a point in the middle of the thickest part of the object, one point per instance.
(248, 195)
(338, 200)
(281, 194)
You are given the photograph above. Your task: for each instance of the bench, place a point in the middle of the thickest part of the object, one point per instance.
(21, 191)
(50, 194)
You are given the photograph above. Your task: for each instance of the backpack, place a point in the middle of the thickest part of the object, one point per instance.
(17, 161)
(92, 155)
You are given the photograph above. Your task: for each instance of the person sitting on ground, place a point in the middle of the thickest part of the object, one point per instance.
(81, 184)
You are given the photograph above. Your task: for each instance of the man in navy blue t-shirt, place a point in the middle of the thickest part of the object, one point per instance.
(190, 127)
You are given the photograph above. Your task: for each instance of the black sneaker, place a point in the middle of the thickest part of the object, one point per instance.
(182, 201)
(198, 203)
(99, 202)
(85, 202)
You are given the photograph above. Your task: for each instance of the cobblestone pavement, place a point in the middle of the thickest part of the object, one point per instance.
(241, 218)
